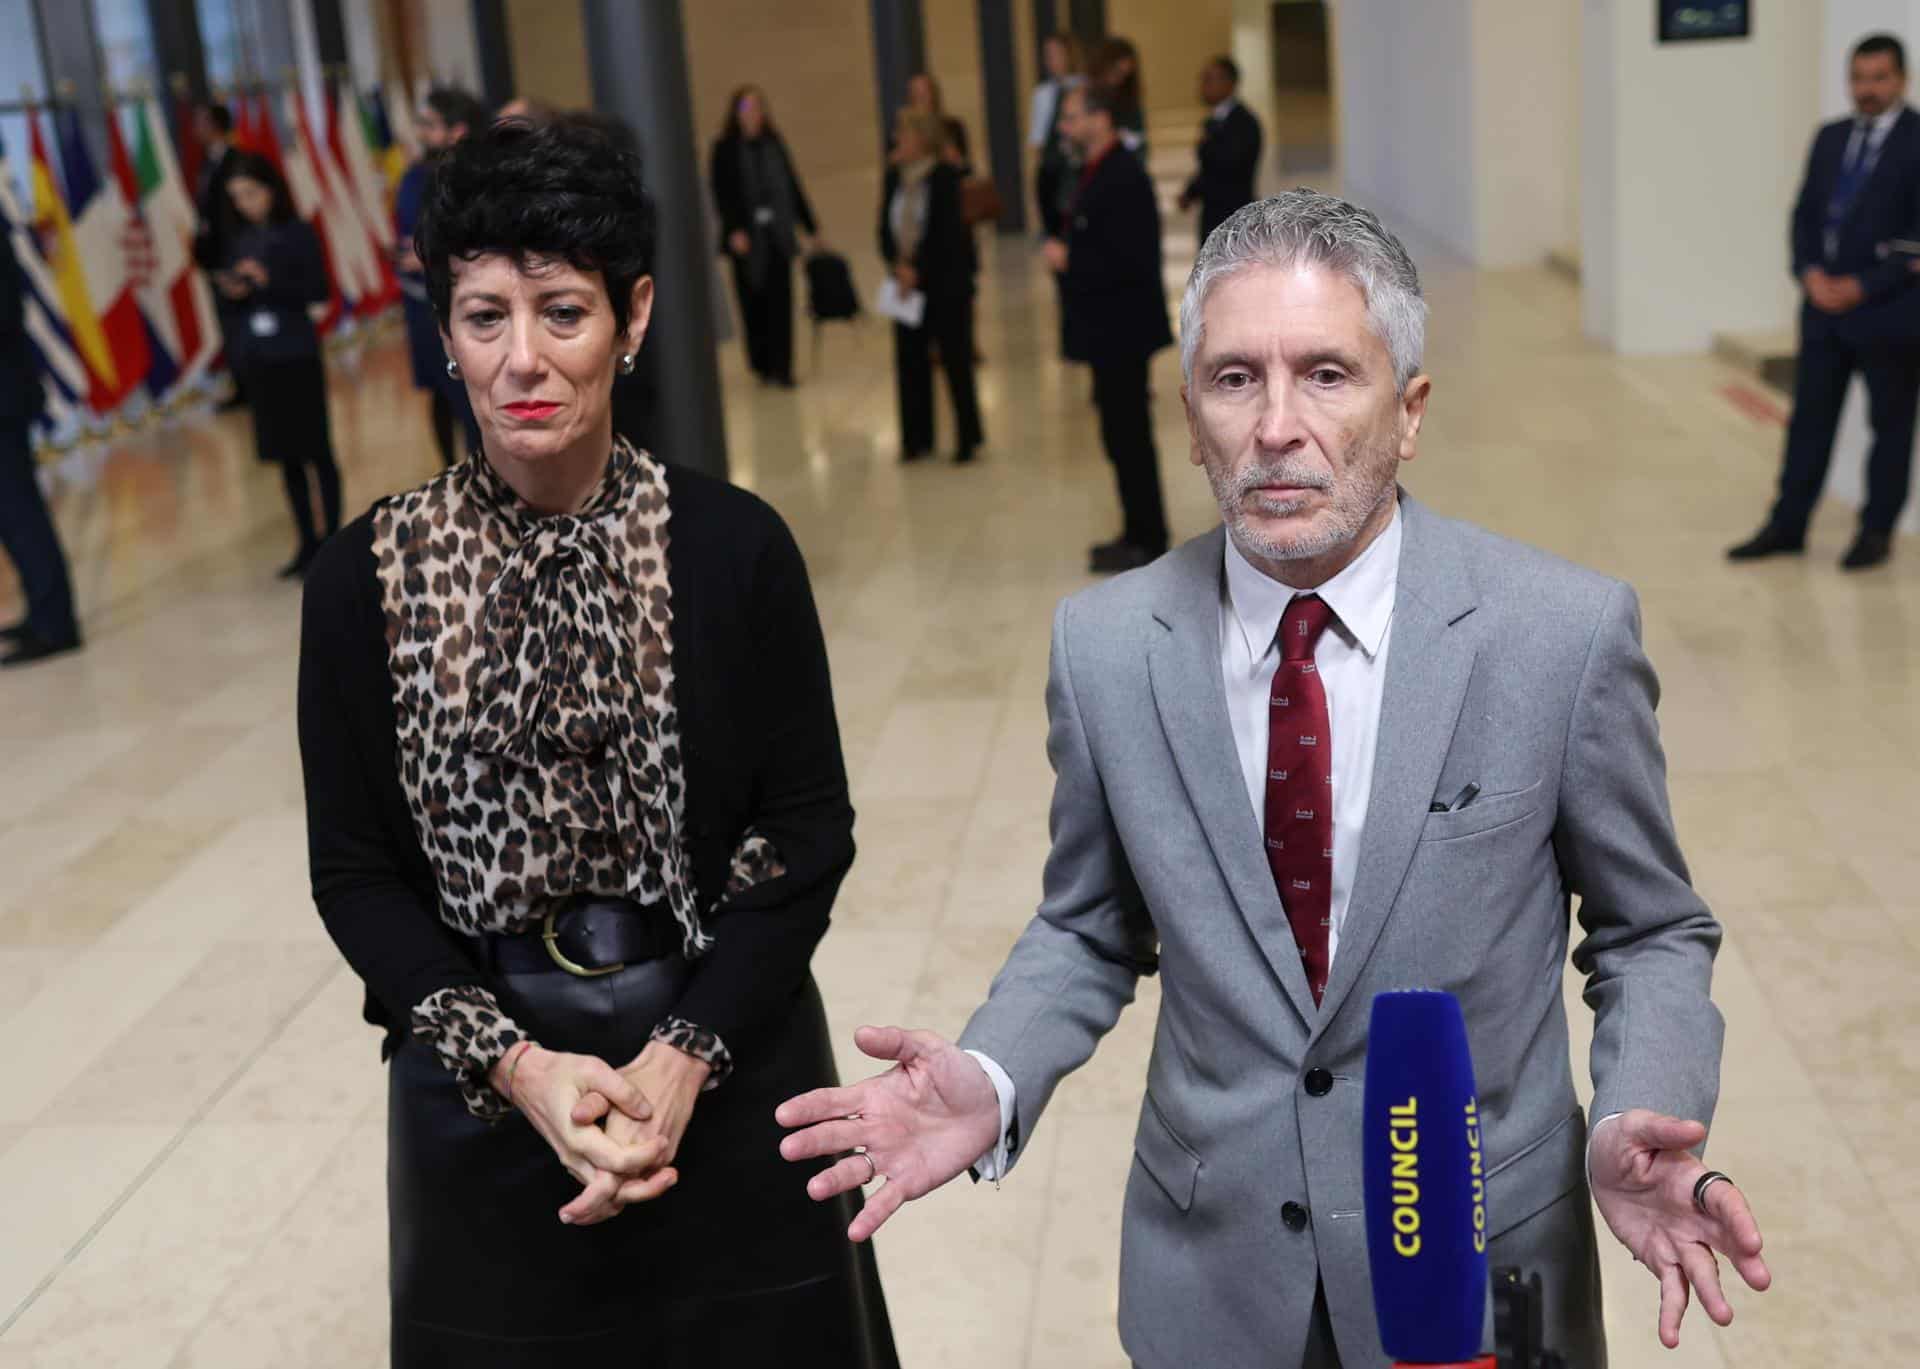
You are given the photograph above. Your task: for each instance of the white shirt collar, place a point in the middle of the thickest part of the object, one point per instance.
(1878, 126)
(1361, 596)
(1224, 108)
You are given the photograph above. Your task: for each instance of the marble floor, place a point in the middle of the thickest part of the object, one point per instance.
(191, 1111)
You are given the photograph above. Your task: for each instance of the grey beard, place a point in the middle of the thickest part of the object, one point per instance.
(1355, 500)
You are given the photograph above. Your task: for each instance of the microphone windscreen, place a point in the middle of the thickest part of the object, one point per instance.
(1424, 1184)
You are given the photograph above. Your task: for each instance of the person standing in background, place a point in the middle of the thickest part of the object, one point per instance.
(274, 270)
(1229, 151)
(1116, 317)
(1861, 312)
(926, 245)
(1060, 55)
(445, 116)
(27, 533)
(1115, 70)
(214, 220)
(1057, 171)
(765, 224)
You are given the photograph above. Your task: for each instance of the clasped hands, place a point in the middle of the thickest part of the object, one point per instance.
(616, 1131)
(1832, 294)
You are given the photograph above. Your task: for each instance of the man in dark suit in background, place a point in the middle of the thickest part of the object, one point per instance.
(1229, 149)
(1116, 316)
(26, 531)
(1861, 312)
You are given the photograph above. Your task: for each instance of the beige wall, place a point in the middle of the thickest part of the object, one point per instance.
(549, 52)
(814, 58)
(1175, 38)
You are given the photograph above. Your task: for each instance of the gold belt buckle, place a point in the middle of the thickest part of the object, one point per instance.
(550, 937)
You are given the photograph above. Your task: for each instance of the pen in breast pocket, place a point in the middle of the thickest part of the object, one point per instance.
(1460, 800)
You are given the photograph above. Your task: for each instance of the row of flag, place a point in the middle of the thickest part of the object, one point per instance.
(120, 314)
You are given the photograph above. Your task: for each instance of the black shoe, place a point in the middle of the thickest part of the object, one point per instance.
(33, 647)
(1869, 549)
(297, 568)
(910, 454)
(1769, 541)
(19, 632)
(965, 455)
(1126, 556)
(1099, 549)
(783, 382)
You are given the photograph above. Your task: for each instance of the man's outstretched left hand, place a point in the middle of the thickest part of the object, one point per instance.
(1644, 1172)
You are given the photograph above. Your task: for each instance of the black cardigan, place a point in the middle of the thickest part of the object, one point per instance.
(759, 742)
(944, 260)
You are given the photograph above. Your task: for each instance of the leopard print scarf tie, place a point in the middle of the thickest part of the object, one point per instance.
(564, 644)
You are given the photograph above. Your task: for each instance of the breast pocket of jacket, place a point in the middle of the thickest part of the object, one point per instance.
(1486, 813)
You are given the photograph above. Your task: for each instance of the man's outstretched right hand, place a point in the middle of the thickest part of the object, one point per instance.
(922, 1123)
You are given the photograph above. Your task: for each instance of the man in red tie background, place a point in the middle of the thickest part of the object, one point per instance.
(1337, 746)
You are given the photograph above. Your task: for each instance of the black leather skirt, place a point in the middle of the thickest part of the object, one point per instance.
(734, 1266)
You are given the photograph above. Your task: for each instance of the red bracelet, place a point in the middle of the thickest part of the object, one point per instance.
(516, 1052)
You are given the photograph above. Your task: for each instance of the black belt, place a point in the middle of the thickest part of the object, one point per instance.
(593, 934)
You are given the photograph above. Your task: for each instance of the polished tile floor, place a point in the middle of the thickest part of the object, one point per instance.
(191, 1111)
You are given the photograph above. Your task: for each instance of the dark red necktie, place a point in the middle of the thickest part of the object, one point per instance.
(1300, 787)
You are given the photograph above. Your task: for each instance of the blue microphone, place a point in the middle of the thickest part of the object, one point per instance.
(1425, 1186)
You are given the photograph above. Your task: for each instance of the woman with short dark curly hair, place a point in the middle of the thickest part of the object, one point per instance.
(577, 815)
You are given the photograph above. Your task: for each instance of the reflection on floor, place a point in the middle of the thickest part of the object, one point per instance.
(191, 1113)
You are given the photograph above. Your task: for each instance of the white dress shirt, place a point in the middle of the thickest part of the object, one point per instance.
(1351, 658)
(1875, 131)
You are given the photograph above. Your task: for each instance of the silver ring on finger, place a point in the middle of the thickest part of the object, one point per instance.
(873, 1170)
(1702, 1184)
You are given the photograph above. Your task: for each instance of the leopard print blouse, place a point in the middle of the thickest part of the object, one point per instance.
(538, 743)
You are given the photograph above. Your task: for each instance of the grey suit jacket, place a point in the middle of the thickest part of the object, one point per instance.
(1508, 669)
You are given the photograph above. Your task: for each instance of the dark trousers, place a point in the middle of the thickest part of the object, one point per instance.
(1825, 367)
(28, 537)
(1126, 429)
(950, 328)
(288, 400)
(766, 312)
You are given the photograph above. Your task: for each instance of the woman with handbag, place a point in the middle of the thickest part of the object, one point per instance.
(927, 246)
(577, 815)
(765, 223)
(273, 271)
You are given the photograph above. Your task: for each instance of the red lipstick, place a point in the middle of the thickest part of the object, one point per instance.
(531, 410)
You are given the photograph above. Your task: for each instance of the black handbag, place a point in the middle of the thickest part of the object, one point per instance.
(830, 292)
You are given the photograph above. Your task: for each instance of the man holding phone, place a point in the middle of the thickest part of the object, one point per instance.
(1862, 308)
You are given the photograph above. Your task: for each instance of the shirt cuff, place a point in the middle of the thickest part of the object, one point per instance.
(469, 1034)
(1592, 1132)
(996, 1162)
(699, 1042)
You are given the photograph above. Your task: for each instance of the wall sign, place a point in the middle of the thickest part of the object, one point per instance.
(1684, 21)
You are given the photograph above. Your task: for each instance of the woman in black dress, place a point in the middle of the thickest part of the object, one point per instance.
(273, 271)
(765, 223)
(577, 815)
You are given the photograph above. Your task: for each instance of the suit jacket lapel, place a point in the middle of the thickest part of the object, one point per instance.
(1429, 662)
(1183, 665)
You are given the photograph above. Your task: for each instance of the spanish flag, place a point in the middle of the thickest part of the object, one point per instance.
(55, 228)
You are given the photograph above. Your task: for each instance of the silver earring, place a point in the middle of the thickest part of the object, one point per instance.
(453, 369)
(627, 360)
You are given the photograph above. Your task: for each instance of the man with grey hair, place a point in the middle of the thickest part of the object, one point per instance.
(1338, 746)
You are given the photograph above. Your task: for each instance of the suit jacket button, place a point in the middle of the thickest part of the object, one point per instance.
(1319, 1083)
(1293, 1216)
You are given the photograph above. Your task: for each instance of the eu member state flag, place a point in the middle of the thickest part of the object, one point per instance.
(104, 233)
